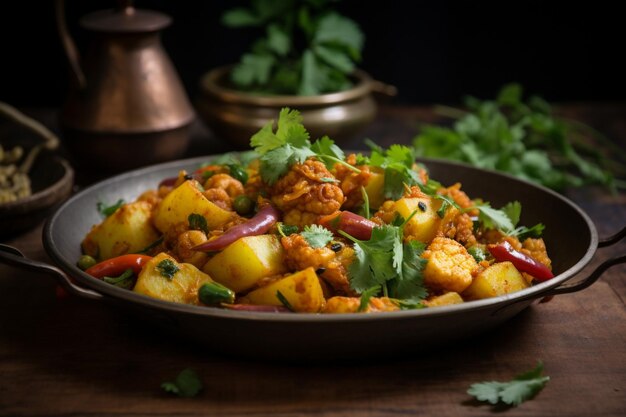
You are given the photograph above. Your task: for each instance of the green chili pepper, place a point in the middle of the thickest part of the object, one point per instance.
(214, 293)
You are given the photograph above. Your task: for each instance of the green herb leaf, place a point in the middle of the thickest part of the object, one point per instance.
(366, 296)
(377, 260)
(278, 40)
(325, 147)
(524, 232)
(286, 229)
(521, 388)
(493, 219)
(198, 222)
(308, 48)
(317, 236)
(167, 268)
(523, 139)
(186, 384)
(106, 211)
(283, 300)
(477, 253)
(410, 284)
(513, 211)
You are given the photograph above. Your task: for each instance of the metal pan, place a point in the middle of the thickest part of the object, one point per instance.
(570, 236)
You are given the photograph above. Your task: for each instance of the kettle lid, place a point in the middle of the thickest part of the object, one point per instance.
(125, 19)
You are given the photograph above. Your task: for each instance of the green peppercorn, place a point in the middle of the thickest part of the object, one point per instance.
(85, 262)
(243, 204)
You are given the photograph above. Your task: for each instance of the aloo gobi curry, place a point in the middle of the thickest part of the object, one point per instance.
(298, 226)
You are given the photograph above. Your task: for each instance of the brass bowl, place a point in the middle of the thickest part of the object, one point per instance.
(235, 116)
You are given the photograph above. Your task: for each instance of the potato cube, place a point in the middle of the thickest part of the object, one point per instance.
(449, 266)
(444, 300)
(302, 291)
(181, 287)
(127, 230)
(247, 260)
(375, 187)
(498, 279)
(185, 200)
(424, 224)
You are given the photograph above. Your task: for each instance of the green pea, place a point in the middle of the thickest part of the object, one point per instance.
(239, 173)
(214, 293)
(86, 262)
(243, 204)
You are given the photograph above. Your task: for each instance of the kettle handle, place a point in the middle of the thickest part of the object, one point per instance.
(68, 45)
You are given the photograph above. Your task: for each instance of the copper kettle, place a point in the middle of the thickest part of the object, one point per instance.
(126, 106)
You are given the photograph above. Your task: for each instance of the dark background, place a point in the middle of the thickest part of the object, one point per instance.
(434, 51)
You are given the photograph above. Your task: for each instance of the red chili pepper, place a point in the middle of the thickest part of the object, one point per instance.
(116, 266)
(505, 252)
(356, 226)
(257, 225)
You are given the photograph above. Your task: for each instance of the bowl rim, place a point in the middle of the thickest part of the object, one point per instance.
(52, 189)
(211, 83)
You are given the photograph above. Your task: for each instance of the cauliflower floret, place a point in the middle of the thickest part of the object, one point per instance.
(351, 182)
(308, 187)
(331, 266)
(449, 267)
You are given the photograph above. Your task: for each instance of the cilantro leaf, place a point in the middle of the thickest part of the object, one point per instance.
(523, 387)
(198, 222)
(524, 232)
(290, 145)
(410, 284)
(317, 236)
(186, 384)
(366, 296)
(167, 268)
(492, 218)
(376, 260)
(106, 211)
(286, 229)
(397, 161)
(325, 147)
(513, 211)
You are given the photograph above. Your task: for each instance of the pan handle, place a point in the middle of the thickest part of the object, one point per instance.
(583, 283)
(593, 277)
(12, 256)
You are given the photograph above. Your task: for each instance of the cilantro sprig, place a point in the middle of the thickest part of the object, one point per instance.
(523, 387)
(397, 162)
(386, 263)
(290, 145)
(186, 384)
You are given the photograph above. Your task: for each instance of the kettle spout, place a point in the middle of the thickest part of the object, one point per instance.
(69, 46)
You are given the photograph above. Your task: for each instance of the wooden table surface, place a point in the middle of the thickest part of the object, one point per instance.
(72, 357)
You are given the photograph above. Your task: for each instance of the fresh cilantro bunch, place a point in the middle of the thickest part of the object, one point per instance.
(522, 138)
(307, 48)
(523, 387)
